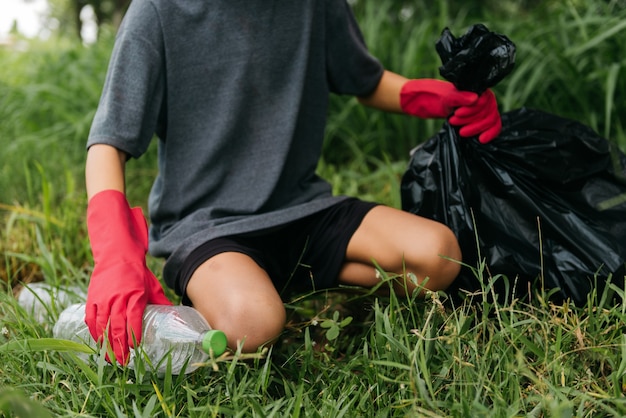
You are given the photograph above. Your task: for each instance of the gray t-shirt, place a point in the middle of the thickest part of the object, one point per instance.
(236, 92)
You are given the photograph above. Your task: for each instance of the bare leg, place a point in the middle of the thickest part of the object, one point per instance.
(399, 241)
(237, 297)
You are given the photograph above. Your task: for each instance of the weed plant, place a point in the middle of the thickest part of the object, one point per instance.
(345, 352)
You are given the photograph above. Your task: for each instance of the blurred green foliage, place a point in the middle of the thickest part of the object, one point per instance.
(570, 61)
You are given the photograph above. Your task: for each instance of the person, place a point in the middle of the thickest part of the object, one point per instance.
(236, 92)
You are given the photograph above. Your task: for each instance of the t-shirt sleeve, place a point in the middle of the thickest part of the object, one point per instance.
(351, 69)
(133, 92)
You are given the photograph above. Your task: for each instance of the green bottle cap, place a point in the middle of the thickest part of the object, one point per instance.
(215, 341)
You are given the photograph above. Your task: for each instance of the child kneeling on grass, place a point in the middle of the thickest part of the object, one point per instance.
(236, 93)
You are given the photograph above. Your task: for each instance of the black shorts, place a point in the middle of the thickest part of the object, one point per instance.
(300, 256)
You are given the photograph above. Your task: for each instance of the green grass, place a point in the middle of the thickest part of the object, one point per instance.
(570, 62)
(385, 357)
(348, 352)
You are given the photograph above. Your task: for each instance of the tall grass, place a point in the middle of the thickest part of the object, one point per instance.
(344, 353)
(48, 97)
(570, 62)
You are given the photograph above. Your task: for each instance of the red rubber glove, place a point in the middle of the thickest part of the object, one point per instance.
(482, 118)
(430, 98)
(121, 284)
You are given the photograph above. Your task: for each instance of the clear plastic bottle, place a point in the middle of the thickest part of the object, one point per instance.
(177, 330)
(41, 300)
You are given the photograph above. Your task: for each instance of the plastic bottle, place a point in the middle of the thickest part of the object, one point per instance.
(42, 299)
(177, 330)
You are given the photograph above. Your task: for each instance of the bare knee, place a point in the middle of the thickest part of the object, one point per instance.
(250, 327)
(237, 297)
(437, 268)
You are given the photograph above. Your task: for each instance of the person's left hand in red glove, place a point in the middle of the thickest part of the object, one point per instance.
(121, 284)
(429, 98)
(481, 119)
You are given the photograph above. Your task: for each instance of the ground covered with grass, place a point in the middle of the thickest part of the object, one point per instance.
(348, 353)
(345, 352)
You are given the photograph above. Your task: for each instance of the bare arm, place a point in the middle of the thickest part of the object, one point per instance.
(386, 97)
(104, 169)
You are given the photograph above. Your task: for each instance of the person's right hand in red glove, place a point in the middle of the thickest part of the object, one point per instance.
(121, 284)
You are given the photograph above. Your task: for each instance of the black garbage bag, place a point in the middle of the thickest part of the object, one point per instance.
(542, 204)
(477, 60)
